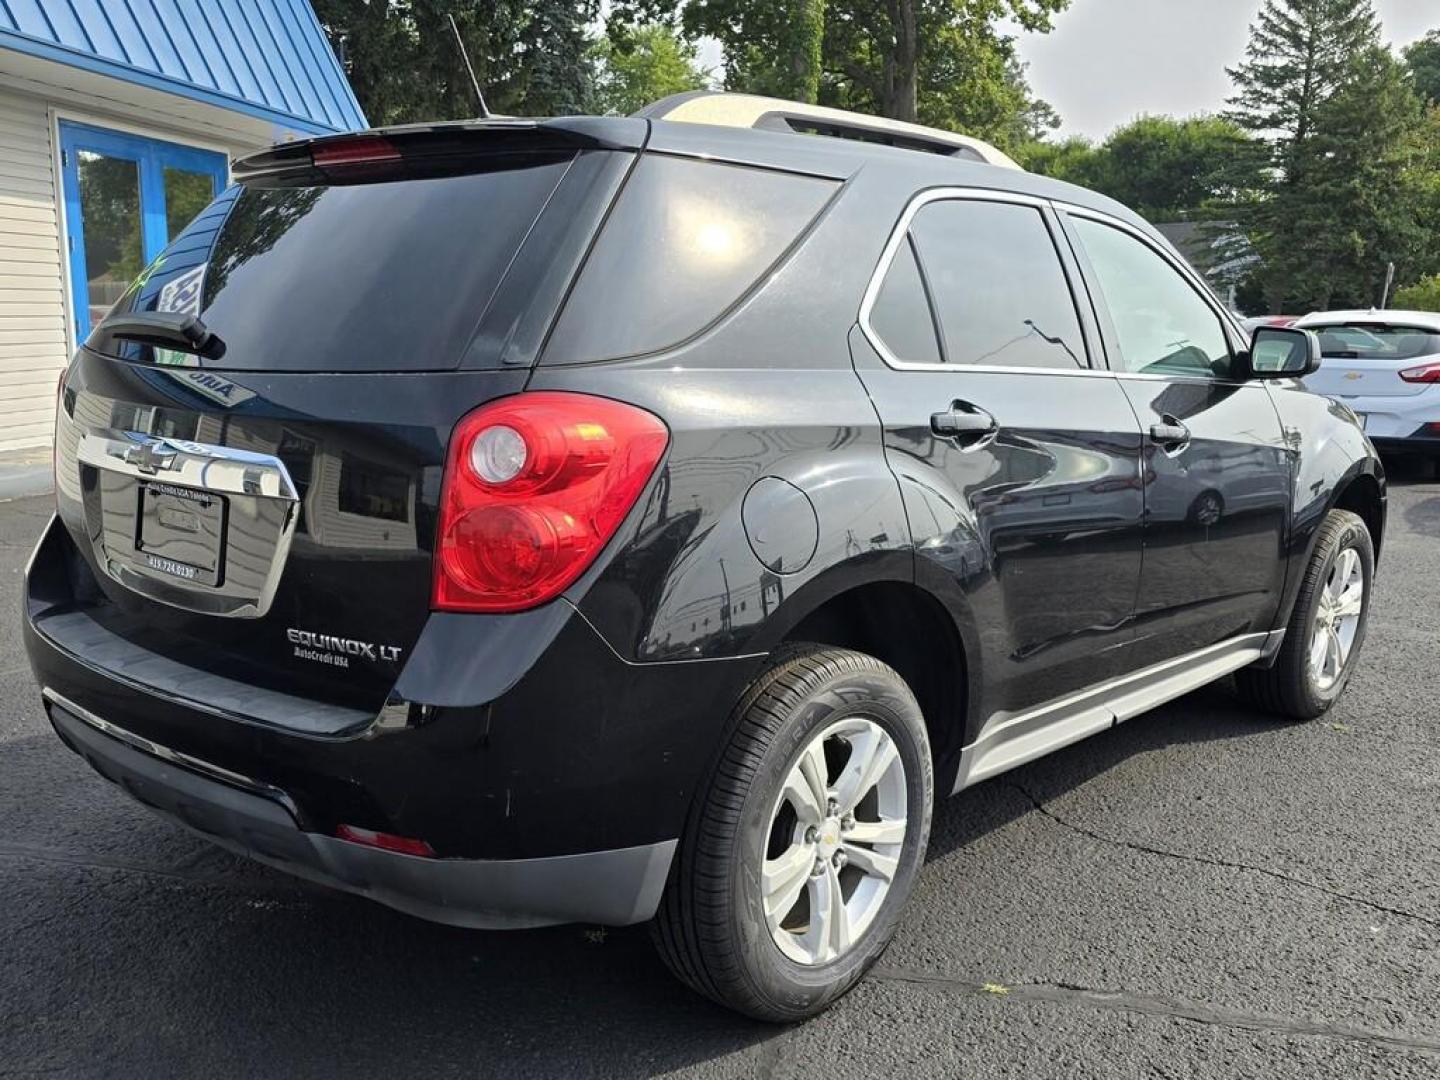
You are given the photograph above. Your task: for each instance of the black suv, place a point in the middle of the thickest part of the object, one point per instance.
(606, 520)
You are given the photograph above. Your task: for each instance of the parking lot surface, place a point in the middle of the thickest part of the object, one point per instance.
(1200, 891)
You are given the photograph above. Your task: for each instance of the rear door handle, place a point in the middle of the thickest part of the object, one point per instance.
(963, 422)
(1170, 433)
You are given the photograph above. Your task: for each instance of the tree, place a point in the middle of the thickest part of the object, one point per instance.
(1298, 56)
(1423, 58)
(1075, 160)
(648, 64)
(1424, 295)
(530, 56)
(1162, 167)
(1359, 208)
(942, 62)
(1165, 168)
(1334, 108)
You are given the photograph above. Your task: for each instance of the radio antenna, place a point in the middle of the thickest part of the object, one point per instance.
(460, 44)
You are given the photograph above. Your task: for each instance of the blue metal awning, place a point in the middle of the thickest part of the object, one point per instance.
(264, 58)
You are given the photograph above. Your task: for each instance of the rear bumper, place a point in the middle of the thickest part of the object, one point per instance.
(550, 776)
(1423, 441)
(616, 887)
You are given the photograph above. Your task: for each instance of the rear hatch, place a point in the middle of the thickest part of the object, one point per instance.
(254, 493)
(1365, 359)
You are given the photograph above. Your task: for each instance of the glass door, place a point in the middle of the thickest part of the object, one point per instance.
(126, 196)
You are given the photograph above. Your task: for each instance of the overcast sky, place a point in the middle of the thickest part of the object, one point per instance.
(1108, 61)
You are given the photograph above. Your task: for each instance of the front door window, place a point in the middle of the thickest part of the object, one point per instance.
(126, 197)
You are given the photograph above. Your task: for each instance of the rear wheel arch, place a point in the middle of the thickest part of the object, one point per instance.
(915, 633)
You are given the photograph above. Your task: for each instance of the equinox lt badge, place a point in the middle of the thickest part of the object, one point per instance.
(329, 649)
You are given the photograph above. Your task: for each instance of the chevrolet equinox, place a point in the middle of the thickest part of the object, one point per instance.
(610, 520)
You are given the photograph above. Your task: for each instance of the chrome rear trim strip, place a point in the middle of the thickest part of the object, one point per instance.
(164, 753)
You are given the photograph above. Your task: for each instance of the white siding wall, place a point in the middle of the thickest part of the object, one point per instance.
(32, 297)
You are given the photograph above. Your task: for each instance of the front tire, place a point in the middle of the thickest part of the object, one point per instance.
(800, 857)
(1327, 625)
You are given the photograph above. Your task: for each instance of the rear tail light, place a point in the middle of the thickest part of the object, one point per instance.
(1425, 373)
(535, 486)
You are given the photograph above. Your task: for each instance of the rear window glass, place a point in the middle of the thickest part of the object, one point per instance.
(1376, 342)
(361, 277)
(684, 242)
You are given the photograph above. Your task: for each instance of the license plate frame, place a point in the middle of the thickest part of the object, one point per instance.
(181, 532)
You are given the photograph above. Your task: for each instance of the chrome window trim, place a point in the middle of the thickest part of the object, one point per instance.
(887, 256)
(924, 198)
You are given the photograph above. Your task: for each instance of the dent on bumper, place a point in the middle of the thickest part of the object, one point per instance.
(616, 887)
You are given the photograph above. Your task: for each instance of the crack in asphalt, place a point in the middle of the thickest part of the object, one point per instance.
(180, 874)
(1166, 1007)
(1228, 864)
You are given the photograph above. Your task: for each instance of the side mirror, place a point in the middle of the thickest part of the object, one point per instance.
(1283, 352)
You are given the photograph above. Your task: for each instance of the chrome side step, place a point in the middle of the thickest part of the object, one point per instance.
(1011, 739)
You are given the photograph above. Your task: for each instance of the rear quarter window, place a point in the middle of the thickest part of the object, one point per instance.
(684, 242)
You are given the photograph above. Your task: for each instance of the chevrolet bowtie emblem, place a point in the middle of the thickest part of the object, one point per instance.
(150, 457)
(1354, 375)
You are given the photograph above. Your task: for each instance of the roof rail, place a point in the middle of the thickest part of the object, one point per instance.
(774, 114)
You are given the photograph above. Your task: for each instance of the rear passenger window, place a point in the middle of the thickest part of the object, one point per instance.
(901, 313)
(997, 286)
(684, 242)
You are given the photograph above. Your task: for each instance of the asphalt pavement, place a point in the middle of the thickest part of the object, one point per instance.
(1200, 892)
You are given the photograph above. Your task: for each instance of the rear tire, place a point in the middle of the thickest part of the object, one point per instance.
(735, 923)
(1307, 678)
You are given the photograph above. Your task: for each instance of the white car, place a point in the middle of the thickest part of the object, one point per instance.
(1385, 365)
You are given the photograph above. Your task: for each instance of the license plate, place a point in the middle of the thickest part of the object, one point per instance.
(181, 532)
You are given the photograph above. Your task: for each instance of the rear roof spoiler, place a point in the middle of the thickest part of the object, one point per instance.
(774, 114)
(382, 148)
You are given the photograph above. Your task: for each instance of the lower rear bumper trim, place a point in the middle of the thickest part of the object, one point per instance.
(617, 887)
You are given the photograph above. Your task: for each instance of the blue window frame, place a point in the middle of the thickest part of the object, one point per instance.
(132, 194)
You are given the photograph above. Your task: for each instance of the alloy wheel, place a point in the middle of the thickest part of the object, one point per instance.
(1337, 619)
(836, 834)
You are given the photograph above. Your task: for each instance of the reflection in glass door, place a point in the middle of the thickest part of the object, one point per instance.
(125, 198)
(110, 208)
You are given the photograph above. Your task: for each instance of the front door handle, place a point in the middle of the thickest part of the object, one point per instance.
(963, 421)
(1170, 433)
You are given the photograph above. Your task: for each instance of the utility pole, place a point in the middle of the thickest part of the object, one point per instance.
(1389, 280)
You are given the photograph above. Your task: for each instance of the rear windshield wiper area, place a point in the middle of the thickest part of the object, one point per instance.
(175, 330)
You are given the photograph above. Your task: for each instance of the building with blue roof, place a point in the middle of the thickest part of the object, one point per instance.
(118, 122)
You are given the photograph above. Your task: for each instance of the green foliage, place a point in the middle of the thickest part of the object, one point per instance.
(644, 66)
(1299, 54)
(1423, 58)
(1347, 182)
(942, 62)
(1424, 295)
(1074, 160)
(1165, 168)
(532, 57)
(1162, 167)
